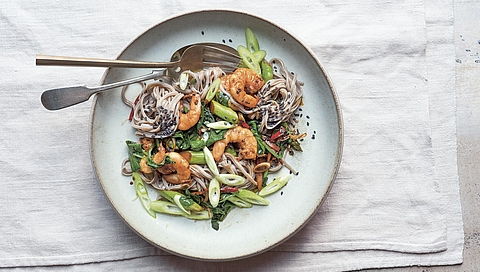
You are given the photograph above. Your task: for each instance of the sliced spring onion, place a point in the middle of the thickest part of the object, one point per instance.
(252, 41)
(176, 199)
(142, 193)
(210, 161)
(163, 206)
(166, 207)
(212, 90)
(221, 125)
(195, 157)
(259, 55)
(200, 215)
(214, 192)
(267, 70)
(231, 179)
(223, 112)
(184, 202)
(251, 197)
(249, 59)
(240, 202)
(277, 184)
(183, 81)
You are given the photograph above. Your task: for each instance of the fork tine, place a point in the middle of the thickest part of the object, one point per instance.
(215, 54)
(212, 49)
(227, 67)
(215, 57)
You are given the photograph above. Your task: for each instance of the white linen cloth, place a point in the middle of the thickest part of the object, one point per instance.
(395, 201)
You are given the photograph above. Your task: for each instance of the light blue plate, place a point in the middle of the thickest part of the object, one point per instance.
(245, 232)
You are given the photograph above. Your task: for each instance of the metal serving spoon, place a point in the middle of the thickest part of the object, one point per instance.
(60, 98)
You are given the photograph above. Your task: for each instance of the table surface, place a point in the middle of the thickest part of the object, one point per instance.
(467, 47)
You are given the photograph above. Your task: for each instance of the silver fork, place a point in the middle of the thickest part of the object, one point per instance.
(59, 98)
(195, 58)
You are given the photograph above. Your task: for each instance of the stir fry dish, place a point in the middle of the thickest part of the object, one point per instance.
(210, 141)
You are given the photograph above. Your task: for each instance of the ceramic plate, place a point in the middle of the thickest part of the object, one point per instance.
(245, 232)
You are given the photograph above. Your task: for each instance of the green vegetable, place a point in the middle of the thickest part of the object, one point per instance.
(240, 202)
(259, 55)
(220, 213)
(215, 135)
(221, 125)
(249, 59)
(223, 112)
(184, 202)
(166, 207)
(267, 70)
(201, 215)
(252, 42)
(196, 157)
(262, 145)
(210, 161)
(231, 150)
(190, 140)
(142, 193)
(205, 117)
(251, 197)
(222, 99)
(277, 184)
(214, 192)
(183, 80)
(212, 90)
(135, 153)
(231, 179)
(152, 164)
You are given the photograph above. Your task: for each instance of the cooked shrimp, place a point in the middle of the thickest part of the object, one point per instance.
(144, 168)
(146, 143)
(177, 172)
(157, 158)
(241, 136)
(160, 155)
(243, 84)
(189, 119)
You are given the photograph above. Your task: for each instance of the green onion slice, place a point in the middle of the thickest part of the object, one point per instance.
(251, 197)
(277, 184)
(231, 179)
(240, 202)
(210, 161)
(221, 125)
(214, 192)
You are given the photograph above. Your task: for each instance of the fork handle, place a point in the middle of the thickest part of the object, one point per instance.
(96, 62)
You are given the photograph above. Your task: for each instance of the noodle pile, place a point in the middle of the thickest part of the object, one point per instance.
(157, 108)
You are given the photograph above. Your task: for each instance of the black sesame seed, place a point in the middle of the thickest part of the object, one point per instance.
(230, 40)
(203, 33)
(308, 124)
(313, 137)
(308, 117)
(223, 40)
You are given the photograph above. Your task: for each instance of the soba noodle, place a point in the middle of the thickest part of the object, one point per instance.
(156, 115)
